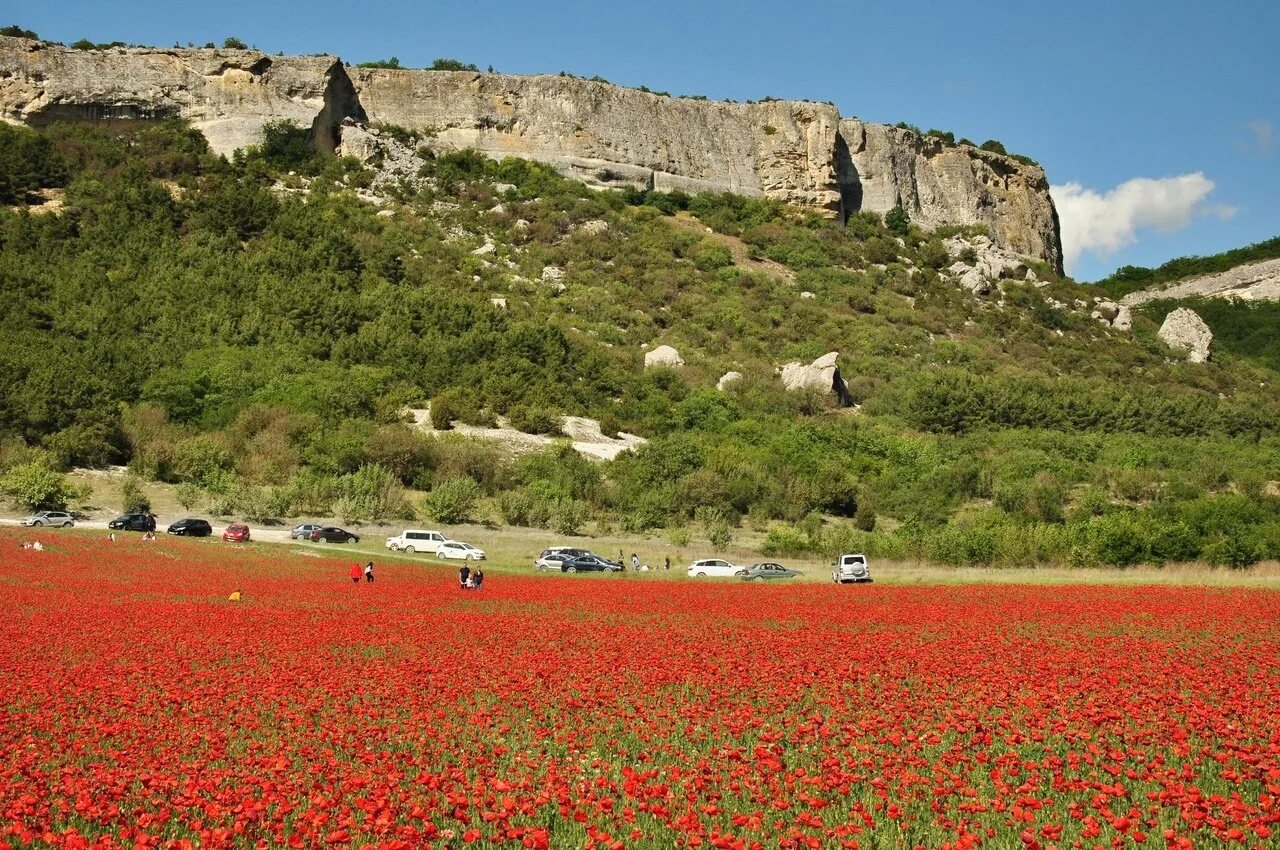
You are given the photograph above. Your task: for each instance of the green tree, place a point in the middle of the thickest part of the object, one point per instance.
(233, 43)
(898, 221)
(35, 486)
(132, 497)
(452, 501)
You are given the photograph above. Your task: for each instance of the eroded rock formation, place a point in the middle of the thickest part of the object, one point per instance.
(796, 151)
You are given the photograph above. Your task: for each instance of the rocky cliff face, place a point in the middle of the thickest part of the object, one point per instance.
(1249, 282)
(226, 94)
(798, 152)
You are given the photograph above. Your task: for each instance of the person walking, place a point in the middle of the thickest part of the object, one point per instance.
(635, 562)
(464, 576)
(368, 572)
(355, 573)
(477, 577)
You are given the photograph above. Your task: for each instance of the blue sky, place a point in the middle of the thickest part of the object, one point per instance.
(1159, 122)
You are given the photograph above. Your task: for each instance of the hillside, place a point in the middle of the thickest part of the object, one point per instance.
(256, 328)
(1249, 273)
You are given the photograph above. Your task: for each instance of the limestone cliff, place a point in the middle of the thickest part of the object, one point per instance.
(798, 152)
(226, 94)
(1258, 281)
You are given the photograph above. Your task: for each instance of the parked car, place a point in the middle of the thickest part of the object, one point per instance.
(714, 568)
(459, 551)
(237, 532)
(302, 532)
(333, 534)
(761, 572)
(58, 518)
(554, 558)
(191, 528)
(589, 564)
(416, 540)
(133, 522)
(849, 569)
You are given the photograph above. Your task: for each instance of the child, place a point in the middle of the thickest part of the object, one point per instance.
(355, 573)
(368, 572)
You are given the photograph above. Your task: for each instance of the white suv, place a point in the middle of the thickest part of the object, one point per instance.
(414, 540)
(851, 569)
(713, 567)
(40, 518)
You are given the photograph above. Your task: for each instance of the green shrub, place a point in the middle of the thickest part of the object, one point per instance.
(188, 494)
(233, 43)
(35, 486)
(452, 502)
(132, 497)
(898, 221)
(784, 542)
(534, 419)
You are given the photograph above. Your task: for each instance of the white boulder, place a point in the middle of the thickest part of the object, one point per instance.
(663, 355)
(728, 378)
(1186, 333)
(822, 375)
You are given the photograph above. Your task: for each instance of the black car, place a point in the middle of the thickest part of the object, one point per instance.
(191, 528)
(133, 522)
(333, 534)
(589, 564)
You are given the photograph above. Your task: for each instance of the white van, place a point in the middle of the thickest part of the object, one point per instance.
(850, 568)
(416, 540)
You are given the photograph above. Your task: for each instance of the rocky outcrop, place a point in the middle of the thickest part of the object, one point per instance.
(226, 94)
(1249, 282)
(880, 167)
(1186, 333)
(799, 152)
(663, 355)
(979, 263)
(822, 375)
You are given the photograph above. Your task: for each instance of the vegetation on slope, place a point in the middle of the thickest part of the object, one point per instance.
(256, 335)
(1128, 279)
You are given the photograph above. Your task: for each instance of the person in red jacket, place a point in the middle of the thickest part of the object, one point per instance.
(356, 572)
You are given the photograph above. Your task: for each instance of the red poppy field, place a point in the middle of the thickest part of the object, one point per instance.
(141, 707)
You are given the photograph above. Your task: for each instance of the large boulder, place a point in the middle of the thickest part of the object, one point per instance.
(822, 375)
(663, 355)
(1186, 333)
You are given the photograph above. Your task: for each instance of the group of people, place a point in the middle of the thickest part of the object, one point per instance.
(366, 571)
(639, 567)
(469, 579)
(37, 545)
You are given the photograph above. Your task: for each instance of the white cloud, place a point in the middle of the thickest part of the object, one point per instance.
(1104, 222)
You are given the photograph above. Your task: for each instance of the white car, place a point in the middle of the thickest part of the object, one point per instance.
(415, 540)
(554, 558)
(460, 551)
(713, 568)
(59, 518)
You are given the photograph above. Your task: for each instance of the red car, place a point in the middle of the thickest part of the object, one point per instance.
(237, 532)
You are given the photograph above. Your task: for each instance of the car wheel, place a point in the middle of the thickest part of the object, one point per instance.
(351, 540)
(322, 540)
(570, 569)
(700, 575)
(37, 524)
(67, 524)
(408, 550)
